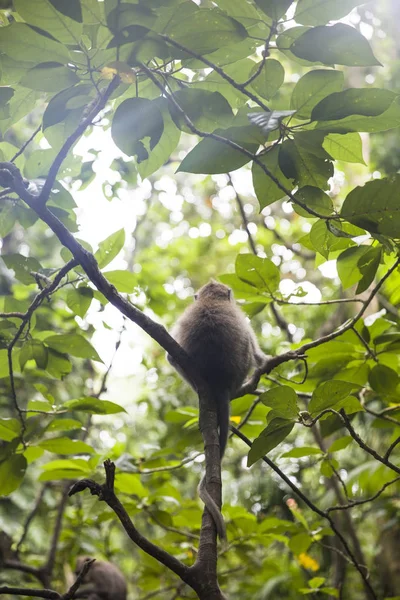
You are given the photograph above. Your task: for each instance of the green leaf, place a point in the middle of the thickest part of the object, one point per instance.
(73, 9)
(259, 272)
(163, 149)
(337, 44)
(315, 199)
(19, 41)
(39, 163)
(64, 445)
(328, 394)
(207, 110)
(369, 102)
(63, 424)
(340, 444)
(124, 281)
(270, 79)
(137, 127)
(383, 379)
(267, 191)
(57, 110)
(275, 432)
(9, 429)
(211, 156)
(79, 299)
(110, 248)
(44, 14)
(94, 406)
(328, 466)
(49, 77)
(22, 267)
(34, 350)
(303, 167)
(353, 263)
(12, 472)
(274, 8)
(375, 206)
(387, 120)
(203, 30)
(283, 401)
(312, 88)
(74, 344)
(324, 241)
(65, 469)
(319, 12)
(302, 452)
(129, 483)
(346, 147)
(300, 543)
(58, 365)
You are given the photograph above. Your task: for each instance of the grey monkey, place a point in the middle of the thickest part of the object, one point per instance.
(223, 347)
(104, 581)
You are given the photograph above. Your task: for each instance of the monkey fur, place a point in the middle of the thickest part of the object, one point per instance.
(104, 581)
(223, 347)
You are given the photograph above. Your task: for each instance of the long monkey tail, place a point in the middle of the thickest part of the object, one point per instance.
(223, 404)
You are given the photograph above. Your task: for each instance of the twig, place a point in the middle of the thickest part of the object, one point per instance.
(354, 503)
(16, 591)
(32, 515)
(21, 150)
(97, 106)
(391, 448)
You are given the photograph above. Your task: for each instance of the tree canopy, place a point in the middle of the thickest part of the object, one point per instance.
(147, 146)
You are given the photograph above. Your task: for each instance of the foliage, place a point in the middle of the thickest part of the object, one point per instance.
(111, 111)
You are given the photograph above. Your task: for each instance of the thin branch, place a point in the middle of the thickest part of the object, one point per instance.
(98, 105)
(106, 493)
(26, 144)
(219, 138)
(238, 86)
(391, 448)
(354, 503)
(51, 559)
(32, 515)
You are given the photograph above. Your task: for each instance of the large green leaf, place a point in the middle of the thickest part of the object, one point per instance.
(79, 299)
(257, 271)
(275, 432)
(19, 41)
(283, 401)
(328, 394)
(94, 406)
(137, 127)
(110, 248)
(270, 78)
(267, 191)
(315, 199)
(375, 206)
(369, 102)
(64, 445)
(274, 8)
(72, 343)
(302, 166)
(49, 77)
(312, 88)
(389, 119)
(207, 110)
(355, 263)
(203, 30)
(347, 147)
(12, 472)
(23, 267)
(319, 12)
(337, 44)
(9, 429)
(124, 281)
(212, 156)
(164, 147)
(44, 14)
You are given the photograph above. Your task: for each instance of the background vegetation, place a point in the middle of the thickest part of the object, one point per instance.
(147, 146)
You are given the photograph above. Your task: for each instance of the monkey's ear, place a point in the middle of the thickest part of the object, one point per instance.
(229, 293)
(196, 296)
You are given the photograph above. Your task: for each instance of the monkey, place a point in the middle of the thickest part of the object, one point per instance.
(223, 347)
(104, 581)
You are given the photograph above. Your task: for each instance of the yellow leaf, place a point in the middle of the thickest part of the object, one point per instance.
(308, 562)
(126, 73)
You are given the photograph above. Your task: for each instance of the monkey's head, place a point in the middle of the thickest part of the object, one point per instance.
(214, 291)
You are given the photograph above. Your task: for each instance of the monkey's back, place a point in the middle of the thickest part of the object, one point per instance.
(216, 336)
